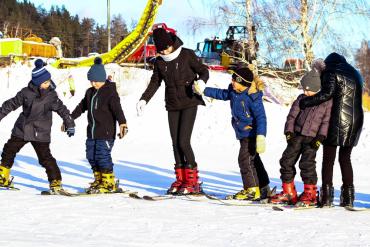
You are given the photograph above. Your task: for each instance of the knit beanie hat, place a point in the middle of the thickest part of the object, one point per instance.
(311, 81)
(162, 39)
(97, 71)
(39, 73)
(243, 76)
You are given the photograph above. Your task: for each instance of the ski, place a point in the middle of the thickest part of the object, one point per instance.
(135, 196)
(8, 188)
(59, 193)
(118, 191)
(291, 207)
(234, 202)
(66, 193)
(356, 209)
(196, 197)
(151, 198)
(159, 197)
(230, 201)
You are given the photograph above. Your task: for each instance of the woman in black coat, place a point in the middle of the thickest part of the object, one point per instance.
(343, 83)
(178, 67)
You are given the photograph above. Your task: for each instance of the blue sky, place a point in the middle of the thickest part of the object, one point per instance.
(173, 12)
(176, 13)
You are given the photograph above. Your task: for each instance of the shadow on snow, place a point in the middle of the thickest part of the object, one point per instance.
(153, 179)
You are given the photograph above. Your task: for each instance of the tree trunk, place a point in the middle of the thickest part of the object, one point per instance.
(252, 41)
(307, 39)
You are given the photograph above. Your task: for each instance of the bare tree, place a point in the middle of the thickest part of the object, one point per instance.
(119, 29)
(295, 28)
(252, 42)
(363, 63)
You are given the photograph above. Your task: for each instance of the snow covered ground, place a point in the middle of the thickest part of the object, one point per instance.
(144, 163)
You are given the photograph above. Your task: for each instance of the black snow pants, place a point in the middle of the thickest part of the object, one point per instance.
(252, 171)
(181, 125)
(344, 162)
(300, 146)
(46, 160)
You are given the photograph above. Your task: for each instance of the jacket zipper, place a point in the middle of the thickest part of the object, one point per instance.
(245, 110)
(92, 115)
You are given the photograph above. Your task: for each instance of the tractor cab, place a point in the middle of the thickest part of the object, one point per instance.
(210, 52)
(228, 53)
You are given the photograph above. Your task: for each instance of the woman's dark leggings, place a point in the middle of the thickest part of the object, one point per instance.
(344, 162)
(181, 126)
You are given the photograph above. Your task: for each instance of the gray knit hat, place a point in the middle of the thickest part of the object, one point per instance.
(311, 81)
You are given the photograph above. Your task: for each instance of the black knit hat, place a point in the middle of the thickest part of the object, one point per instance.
(243, 76)
(97, 71)
(39, 73)
(162, 39)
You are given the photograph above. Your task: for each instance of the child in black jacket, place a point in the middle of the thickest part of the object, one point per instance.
(103, 105)
(38, 100)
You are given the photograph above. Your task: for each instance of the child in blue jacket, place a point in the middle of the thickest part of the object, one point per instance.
(249, 123)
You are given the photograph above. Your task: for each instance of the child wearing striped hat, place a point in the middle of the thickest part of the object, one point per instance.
(33, 125)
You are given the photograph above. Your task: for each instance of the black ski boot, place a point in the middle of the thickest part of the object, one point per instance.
(326, 197)
(347, 195)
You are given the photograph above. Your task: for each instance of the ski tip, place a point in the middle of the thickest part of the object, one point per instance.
(356, 209)
(135, 196)
(277, 208)
(45, 193)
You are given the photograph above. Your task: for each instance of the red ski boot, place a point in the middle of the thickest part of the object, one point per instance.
(308, 197)
(191, 184)
(180, 177)
(287, 196)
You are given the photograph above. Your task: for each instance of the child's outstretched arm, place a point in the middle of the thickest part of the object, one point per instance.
(217, 93)
(80, 108)
(11, 105)
(63, 112)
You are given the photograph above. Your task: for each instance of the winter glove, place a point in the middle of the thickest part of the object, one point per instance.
(71, 131)
(199, 86)
(123, 129)
(289, 137)
(140, 106)
(317, 141)
(260, 144)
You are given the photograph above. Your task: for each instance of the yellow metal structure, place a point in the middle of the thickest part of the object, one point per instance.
(30, 47)
(127, 46)
(10, 47)
(36, 49)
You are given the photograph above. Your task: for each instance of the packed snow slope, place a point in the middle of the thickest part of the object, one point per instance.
(144, 163)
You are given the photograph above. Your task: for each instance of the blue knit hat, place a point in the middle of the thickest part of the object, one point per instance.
(39, 73)
(97, 71)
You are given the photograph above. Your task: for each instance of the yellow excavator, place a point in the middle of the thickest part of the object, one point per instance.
(126, 47)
